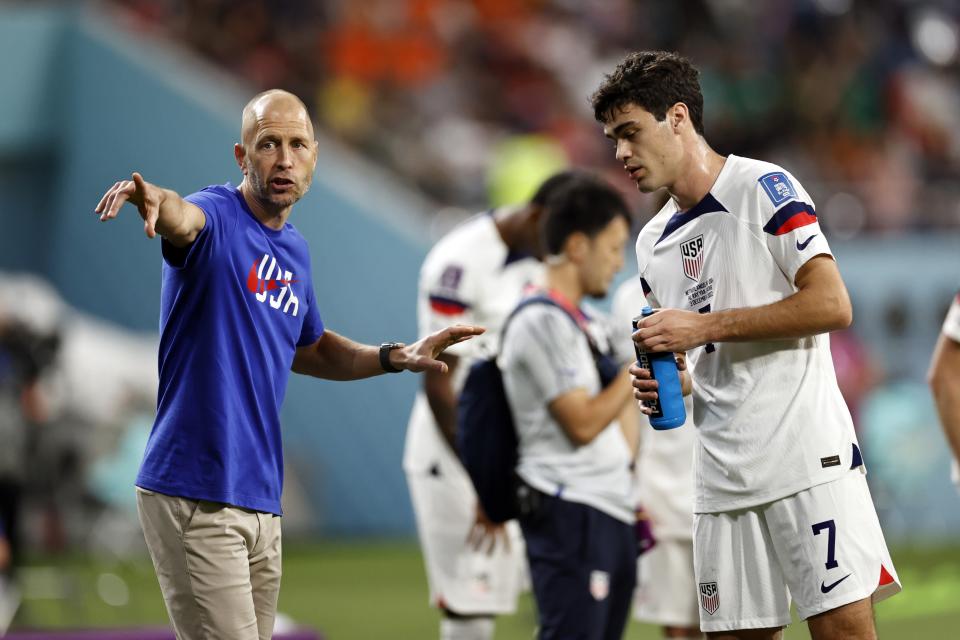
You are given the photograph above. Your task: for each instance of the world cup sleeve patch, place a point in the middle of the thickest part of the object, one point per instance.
(778, 187)
(445, 297)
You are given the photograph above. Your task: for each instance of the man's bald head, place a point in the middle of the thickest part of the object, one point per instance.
(278, 152)
(276, 105)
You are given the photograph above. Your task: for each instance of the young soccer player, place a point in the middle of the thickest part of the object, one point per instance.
(747, 286)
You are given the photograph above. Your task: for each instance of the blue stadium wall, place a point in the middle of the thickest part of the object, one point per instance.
(83, 104)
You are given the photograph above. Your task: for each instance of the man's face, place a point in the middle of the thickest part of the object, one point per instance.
(279, 152)
(649, 149)
(604, 258)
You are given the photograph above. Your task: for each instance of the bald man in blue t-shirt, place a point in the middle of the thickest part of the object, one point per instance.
(237, 314)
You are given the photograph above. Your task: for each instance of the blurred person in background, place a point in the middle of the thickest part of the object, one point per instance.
(238, 313)
(25, 354)
(747, 283)
(4, 548)
(574, 457)
(9, 595)
(858, 372)
(474, 275)
(944, 379)
(666, 592)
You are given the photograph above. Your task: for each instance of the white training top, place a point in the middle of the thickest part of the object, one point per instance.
(664, 470)
(770, 418)
(469, 277)
(545, 355)
(951, 329)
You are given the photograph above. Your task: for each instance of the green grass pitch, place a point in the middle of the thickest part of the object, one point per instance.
(376, 589)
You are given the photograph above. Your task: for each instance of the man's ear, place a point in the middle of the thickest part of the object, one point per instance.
(678, 114)
(576, 247)
(240, 153)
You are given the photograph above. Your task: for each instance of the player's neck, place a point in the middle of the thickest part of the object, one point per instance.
(563, 278)
(699, 174)
(511, 223)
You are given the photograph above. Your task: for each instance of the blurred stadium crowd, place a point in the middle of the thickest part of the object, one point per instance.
(861, 100)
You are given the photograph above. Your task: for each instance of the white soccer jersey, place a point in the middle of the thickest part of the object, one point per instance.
(665, 461)
(468, 277)
(545, 355)
(770, 418)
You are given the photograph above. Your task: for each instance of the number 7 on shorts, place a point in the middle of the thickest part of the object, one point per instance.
(831, 528)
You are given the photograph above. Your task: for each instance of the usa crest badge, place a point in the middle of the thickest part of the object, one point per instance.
(691, 253)
(709, 598)
(599, 585)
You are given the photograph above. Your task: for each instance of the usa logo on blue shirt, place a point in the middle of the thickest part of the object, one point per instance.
(778, 187)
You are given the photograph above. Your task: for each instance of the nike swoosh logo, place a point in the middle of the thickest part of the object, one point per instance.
(803, 245)
(827, 588)
(256, 285)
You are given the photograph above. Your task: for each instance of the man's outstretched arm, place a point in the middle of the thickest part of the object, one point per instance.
(335, 357)
(163, 211)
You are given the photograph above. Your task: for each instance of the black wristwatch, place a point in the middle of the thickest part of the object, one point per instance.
(385, 350)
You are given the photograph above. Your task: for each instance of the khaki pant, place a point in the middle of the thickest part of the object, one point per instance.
(218, 565)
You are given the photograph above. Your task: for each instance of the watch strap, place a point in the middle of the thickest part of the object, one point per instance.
(385, 350)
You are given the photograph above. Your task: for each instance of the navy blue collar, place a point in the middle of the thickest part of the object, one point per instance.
(516, 256)
(709, 204)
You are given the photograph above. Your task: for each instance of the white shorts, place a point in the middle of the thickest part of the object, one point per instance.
(666, 594)
(823, 547)
(462, 580)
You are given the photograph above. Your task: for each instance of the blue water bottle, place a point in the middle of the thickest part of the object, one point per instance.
(668, 409)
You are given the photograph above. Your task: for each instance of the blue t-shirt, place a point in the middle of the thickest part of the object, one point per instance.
(234, 307)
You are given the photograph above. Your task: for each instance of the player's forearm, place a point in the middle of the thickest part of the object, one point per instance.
(805, 313)
(442, 400)
(586, 417)
(944, 380)
(948, 407)
(177, 220)
(445, 415)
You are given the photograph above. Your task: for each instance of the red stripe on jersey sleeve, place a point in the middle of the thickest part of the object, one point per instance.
(447, 306)
(797, 220)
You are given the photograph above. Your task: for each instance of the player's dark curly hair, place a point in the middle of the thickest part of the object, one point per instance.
(653, 80)
(583, 203)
